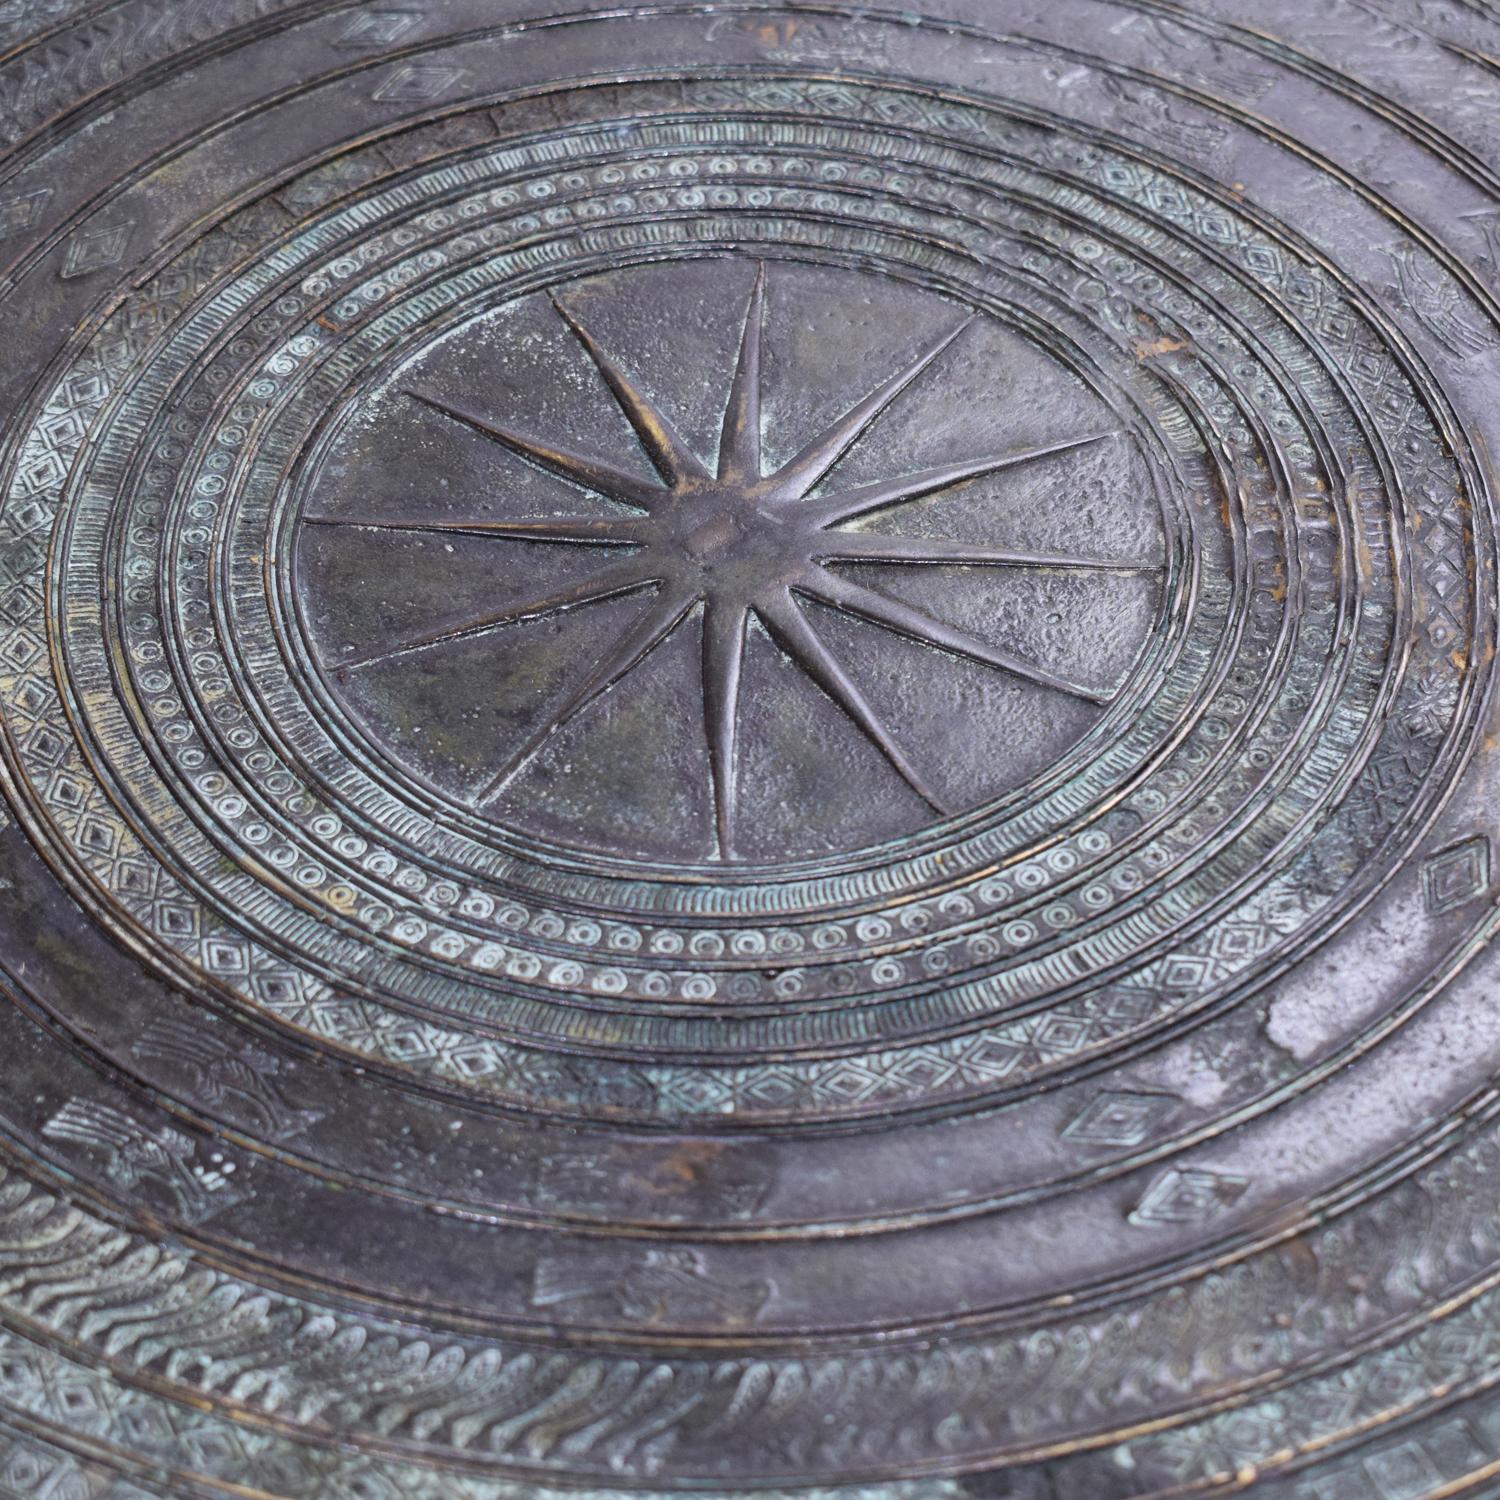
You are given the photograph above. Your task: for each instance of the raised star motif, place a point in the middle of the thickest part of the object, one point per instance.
(735, 542)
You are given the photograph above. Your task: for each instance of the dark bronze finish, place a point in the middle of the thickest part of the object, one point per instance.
(749, 750)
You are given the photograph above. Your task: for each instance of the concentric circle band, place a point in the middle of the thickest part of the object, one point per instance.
(767, 735)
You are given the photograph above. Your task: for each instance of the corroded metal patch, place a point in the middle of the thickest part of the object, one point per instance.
(750, 750)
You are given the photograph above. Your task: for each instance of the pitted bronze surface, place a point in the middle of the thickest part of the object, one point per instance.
(750, 750)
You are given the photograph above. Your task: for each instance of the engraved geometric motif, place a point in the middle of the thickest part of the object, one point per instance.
(1055, 1040)
(422, 1145)
(373, 27)
(417, 84)
(19, 210)
(741, 543)
(95, 249)
(1456, 875)
(1187, 1195)
(1119, 1118)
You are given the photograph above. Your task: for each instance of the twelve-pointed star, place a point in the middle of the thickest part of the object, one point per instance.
(736, 542)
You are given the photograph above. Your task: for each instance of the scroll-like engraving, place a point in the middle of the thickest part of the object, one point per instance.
(1438, 305)
(661, 1286)
(247, 1077)
(200, 1184)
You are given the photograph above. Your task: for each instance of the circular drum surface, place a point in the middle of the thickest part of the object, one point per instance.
(749, 750)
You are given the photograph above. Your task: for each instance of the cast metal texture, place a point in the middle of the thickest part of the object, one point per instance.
(749, 749)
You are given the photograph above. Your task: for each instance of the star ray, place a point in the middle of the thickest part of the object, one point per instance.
(655, 623)
(865, 498)
(672, 457)
(723, 659)
(858, 546)
(881, 609)
(608, 531)
(799, 474)
(621, 578)
(739, 441)
(787, 623)
(591, 473)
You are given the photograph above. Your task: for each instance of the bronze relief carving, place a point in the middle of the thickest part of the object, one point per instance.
(749, 750)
